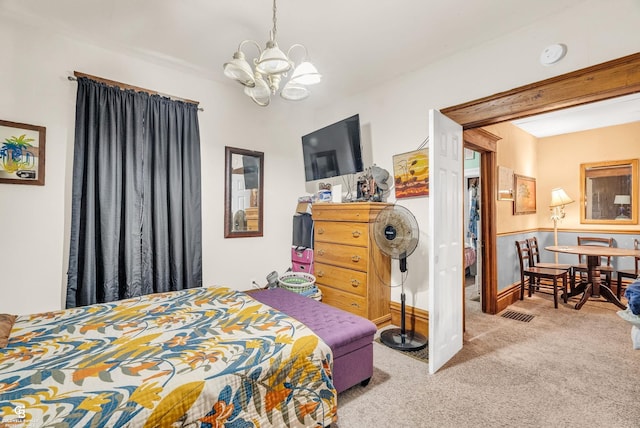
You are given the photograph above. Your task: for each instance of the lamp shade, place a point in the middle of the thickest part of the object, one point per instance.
(559, 197)
(306, 74)
(622, 200)
(273, 60)
(260, 92)
(239, 70)
(294, 92)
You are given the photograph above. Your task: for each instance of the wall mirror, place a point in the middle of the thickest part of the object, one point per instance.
(243, 204)
(609, 192)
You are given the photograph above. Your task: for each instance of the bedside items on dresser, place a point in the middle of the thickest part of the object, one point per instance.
(349, 268)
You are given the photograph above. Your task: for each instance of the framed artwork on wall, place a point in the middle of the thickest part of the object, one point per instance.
(411, 173)
(525, 198)
(505, 184)
(469, 154)
(22, 153)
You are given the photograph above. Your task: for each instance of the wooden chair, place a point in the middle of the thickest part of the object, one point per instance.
(606, 270)
(536, 274)
(630, 273)
(535, 256)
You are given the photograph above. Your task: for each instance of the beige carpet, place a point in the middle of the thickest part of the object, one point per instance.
(565, 368)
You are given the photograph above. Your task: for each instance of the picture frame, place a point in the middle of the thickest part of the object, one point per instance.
(505, 184)
(411, 174)
(22, 153)
(525, 195)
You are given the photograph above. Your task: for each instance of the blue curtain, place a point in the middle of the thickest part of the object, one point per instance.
(136, 221)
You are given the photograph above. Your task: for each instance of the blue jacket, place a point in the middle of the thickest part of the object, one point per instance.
(633, 297)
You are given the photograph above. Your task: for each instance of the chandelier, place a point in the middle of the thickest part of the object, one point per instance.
(270, 68)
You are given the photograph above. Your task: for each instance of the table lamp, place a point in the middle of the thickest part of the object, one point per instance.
(559, 199)
(622, 200)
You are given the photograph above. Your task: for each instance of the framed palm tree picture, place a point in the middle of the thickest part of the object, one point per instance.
(22, 153)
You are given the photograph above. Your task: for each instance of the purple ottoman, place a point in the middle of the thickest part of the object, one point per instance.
(349, 336)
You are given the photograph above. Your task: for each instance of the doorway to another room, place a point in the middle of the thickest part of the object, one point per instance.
(473, 232)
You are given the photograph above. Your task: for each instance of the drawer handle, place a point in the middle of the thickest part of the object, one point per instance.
(355, 305)
(321, 251)
(356, 233)
(355, 258)
(355, 283)
(320, 273)
(320, 231)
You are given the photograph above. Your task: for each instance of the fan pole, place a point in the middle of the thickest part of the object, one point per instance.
(403, 331)
(398, 338)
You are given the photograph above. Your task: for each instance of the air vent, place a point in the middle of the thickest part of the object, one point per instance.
(518, 316)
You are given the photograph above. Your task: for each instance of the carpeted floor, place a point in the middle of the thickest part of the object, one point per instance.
(563, 368)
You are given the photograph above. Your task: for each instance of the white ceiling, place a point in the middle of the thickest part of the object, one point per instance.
(581, 118)
(355, 44)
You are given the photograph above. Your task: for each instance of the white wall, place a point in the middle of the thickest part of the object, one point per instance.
(35, 219)
(397, 111)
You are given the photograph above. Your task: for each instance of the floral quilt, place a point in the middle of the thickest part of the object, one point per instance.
(204, 357)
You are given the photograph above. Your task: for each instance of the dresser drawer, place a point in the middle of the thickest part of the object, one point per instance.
(340, 213)
(342, 232)
(351, 281)
(348, 256)
(346, 301)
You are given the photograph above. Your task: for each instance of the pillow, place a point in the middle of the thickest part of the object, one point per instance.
(6, 323)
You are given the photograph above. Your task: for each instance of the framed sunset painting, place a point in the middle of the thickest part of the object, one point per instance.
(411, 174)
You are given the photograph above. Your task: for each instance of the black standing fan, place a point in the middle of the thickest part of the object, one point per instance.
(396, 233)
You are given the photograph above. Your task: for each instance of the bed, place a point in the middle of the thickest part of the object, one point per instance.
(470, 259)
(205, 357)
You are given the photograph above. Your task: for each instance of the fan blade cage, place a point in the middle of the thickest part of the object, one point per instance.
(396, 231)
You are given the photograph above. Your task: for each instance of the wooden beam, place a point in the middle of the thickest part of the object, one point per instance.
(599, 82)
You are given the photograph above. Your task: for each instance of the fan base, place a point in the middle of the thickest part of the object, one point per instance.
(410, 341)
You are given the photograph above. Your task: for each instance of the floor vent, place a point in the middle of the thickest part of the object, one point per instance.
(518, 316)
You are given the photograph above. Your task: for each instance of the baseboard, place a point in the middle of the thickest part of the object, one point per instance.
(382, 321)
(507, 296)
(415, 319)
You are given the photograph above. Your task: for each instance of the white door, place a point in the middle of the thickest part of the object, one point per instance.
(446, 239)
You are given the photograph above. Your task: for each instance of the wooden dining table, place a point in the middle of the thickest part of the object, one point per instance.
(593, 287)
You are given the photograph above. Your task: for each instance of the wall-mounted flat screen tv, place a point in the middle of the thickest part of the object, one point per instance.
(333, 150)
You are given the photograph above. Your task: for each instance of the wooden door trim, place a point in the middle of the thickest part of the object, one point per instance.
(597, 83)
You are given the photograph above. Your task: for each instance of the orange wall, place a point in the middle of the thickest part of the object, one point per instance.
(555, 162)
(516, 150)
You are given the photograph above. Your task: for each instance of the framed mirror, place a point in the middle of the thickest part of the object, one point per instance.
(609, 192)
(243, 190)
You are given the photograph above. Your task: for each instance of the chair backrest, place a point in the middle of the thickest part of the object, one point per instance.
(534, 251)
(524, 256)
(595, 241)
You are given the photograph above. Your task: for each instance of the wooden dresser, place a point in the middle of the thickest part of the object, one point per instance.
(350, 269)
(252, 218)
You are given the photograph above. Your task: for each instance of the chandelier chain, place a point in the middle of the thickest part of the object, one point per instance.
(275, 28)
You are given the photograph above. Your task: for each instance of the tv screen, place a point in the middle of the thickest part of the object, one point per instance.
(333, 150)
